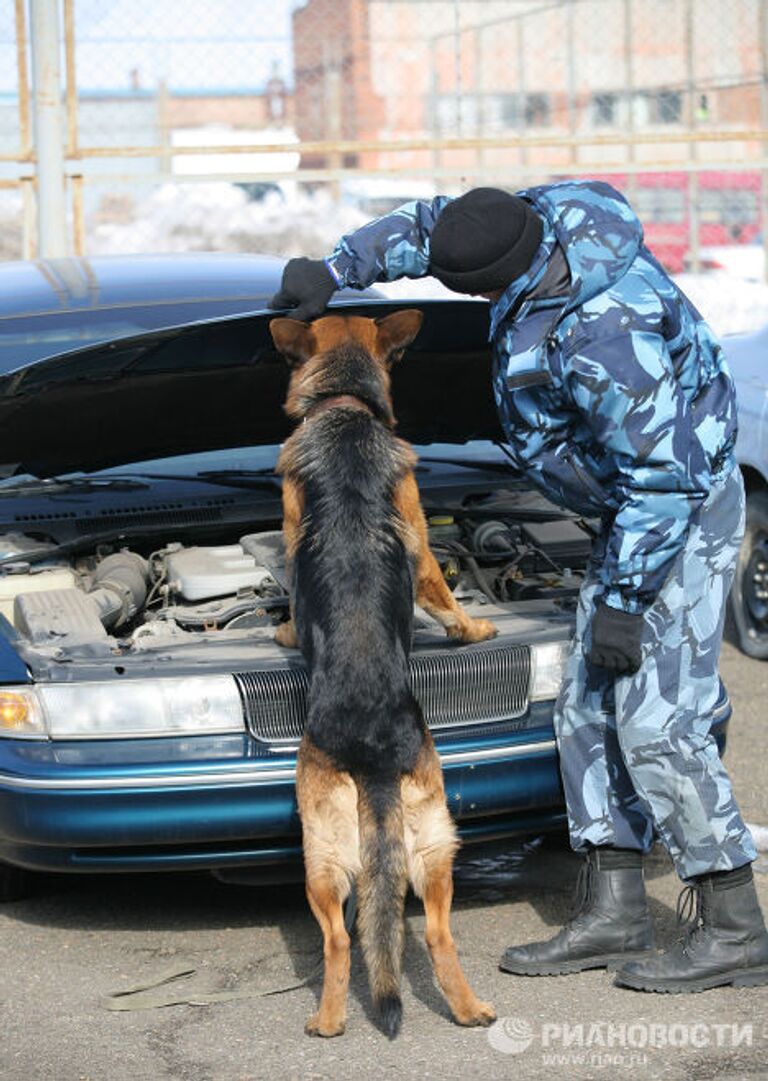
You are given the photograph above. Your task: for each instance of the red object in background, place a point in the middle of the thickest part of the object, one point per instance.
(729, 212)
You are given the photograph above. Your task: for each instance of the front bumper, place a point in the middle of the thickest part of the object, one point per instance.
(227, 801)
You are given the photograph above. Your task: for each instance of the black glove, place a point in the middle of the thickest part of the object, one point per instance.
(616, 637)
(307, 286)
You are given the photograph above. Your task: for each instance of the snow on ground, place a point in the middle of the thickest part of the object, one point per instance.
(220, 217)
(730, 305)
(415, 288)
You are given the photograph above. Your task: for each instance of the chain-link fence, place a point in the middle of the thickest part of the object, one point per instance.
(272, 125)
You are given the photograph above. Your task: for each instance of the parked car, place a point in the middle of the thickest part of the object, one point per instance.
(748, 603)
(56, 305)
(148, 720)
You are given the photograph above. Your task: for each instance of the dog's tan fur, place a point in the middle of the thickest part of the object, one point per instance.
(328, 804)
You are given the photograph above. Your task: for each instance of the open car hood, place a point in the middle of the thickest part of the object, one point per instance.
(220, 383)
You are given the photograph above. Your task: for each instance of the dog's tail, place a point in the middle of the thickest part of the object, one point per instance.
(381, 885)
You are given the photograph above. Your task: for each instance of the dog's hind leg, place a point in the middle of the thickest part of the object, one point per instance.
(328, 806)
(431, 843)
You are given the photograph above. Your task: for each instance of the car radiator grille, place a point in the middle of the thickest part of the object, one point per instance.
(458, 688)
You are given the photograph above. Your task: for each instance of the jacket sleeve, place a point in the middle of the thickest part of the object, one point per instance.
(388, 248)
(625, 387)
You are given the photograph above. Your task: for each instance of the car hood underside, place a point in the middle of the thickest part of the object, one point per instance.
(220, 384)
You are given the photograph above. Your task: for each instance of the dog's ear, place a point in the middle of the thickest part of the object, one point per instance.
(395, 332)
(293, 339)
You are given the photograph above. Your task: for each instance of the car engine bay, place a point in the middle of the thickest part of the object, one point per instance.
(122, 600)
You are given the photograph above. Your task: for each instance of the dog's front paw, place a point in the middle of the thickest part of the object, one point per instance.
(285, 635)
(317, 1027)
(473, 630)
(479, 1014)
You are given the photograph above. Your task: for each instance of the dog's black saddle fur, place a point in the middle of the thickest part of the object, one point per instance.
(353, 593)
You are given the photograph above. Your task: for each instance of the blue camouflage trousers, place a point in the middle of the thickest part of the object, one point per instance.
(636, 753)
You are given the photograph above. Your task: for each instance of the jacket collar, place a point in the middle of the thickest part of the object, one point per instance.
(517, 289)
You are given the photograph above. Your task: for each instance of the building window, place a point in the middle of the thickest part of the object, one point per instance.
(732, 207)
(468, 109)
(510, 110)
(604, 109)
(445, 113)
(499, 112)
(662, 206)
(457, 115)
(536, 110)
(669, 107)
(639, 105)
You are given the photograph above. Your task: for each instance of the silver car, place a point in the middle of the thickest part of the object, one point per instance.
(748, 357)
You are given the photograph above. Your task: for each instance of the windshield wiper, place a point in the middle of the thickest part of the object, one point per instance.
(253, 479)
(224, 476)
(214, 476)
(257, 479)
(60, 548)
(208, 474)
(49, 485)
(55, 549)
(492, 465)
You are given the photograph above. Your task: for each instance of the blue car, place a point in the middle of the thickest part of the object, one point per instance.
(148, 720)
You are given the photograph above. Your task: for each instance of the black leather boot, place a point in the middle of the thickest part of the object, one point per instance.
(610, 924)
(724, 943)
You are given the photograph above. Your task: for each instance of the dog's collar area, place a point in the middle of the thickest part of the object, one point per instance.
(348, 401)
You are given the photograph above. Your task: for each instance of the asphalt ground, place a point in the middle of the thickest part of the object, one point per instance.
(78, 940)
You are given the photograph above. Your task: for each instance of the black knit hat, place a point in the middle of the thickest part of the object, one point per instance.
(483, 240)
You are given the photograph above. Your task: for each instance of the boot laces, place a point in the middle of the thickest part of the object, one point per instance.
(584, 891)
(690, 915)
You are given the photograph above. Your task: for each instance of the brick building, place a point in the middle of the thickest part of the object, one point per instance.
(398, 69)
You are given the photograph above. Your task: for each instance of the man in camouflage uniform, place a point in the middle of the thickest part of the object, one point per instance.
(617, 403)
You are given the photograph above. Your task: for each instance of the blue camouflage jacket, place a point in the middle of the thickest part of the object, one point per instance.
(616, 398)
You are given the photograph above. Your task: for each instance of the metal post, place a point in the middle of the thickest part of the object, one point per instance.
(629, 84)
(164, 123)
(48, 113)
(28, 247)
(521, 95)
(23, 81)
(78, 214)
(480, 97)
(457, 64)
(570, 37)
(693, 176)
(332, 66)
(434, 90)
(69, 61)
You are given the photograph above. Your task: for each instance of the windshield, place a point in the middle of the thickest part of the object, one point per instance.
(24, 339)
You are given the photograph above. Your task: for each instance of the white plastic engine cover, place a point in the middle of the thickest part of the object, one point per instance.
(199, 573)
(45, 578)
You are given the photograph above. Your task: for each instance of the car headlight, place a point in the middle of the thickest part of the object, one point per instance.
(198, 705)
(20, 714)
(547, 669)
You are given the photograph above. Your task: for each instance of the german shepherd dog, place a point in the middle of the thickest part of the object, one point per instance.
(369, 784)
